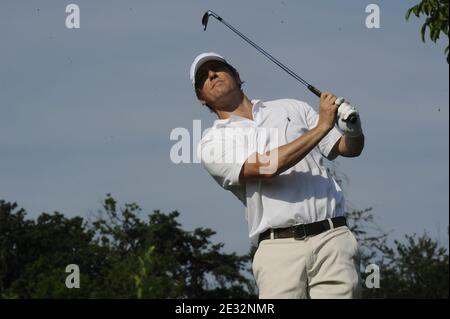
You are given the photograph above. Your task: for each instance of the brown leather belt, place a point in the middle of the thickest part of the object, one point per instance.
(302, 231)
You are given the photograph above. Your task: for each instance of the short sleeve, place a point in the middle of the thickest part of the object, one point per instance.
(327, 143)
(223, 153)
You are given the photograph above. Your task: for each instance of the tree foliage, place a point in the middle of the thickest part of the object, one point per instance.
(436, 12)
(119, 255)
(416, 267)
(123, 255)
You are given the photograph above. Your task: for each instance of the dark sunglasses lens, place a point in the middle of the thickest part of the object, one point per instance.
(202, 73)
(201, 77)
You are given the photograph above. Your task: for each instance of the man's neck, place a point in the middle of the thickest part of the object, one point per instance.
(244, 109)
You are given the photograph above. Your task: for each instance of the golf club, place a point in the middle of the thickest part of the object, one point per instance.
(352, 118)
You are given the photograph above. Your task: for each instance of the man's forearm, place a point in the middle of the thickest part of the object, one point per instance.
(351, 146)
(282, 158)
(292, 153)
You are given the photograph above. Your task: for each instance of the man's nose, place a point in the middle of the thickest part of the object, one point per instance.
(211, 74)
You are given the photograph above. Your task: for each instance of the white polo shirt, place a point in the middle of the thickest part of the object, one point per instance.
(304, 193)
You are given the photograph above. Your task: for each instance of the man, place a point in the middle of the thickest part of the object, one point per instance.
(269, 154)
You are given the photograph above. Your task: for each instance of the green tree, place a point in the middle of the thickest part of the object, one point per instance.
(436, 12)
(119, 254)
(417, 268)
(414, 268)
(168, 262)
(34, 254)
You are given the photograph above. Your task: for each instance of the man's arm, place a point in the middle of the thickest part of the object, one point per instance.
(349, 146)
(352, 143)
(286, 156)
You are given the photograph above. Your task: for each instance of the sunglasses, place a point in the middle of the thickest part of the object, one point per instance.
(202, 72)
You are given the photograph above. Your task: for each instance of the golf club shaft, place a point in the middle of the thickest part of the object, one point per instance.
(352, 118)
(269, 56)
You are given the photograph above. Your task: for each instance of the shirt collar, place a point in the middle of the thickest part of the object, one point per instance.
(257, 104)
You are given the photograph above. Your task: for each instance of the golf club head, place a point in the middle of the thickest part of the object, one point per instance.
(205, 20)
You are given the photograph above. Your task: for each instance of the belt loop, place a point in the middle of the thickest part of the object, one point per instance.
(331, 223)
(272, 235)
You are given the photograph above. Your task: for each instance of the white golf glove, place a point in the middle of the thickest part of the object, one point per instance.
(345, 111)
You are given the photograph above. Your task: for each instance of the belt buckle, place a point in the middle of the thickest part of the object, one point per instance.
(299, 232)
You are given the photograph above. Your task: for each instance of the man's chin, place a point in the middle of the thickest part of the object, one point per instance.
(226, 94)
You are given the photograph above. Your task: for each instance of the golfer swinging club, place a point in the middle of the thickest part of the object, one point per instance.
(294, 208)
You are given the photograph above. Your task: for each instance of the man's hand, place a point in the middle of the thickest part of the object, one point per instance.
(345, 110)
(328, 110)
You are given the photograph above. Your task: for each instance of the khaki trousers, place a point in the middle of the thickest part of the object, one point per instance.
(321, 266)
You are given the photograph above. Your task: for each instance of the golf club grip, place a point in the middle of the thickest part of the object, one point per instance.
(352, 119)
(315, 90)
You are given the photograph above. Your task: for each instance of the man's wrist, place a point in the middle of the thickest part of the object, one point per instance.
(322, 129)
(350, 129)
(355, 132)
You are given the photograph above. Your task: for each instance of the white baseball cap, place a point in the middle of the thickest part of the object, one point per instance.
(200, 60)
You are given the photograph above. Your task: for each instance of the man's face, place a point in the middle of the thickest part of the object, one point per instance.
(216, 82)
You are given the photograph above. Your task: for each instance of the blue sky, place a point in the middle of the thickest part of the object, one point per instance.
(89, 111)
